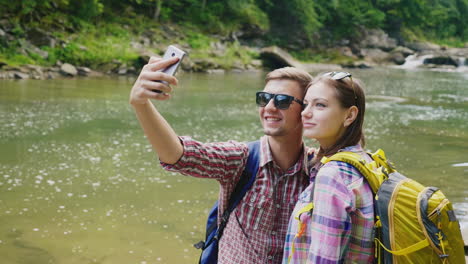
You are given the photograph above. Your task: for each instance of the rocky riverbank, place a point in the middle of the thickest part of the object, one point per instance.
(375, 48)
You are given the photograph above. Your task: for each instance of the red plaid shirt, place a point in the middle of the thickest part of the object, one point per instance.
(257, 228)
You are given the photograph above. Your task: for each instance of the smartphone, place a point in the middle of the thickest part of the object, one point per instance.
(172, 51)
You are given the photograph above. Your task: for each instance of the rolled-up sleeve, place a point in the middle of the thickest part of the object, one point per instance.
(220, 160)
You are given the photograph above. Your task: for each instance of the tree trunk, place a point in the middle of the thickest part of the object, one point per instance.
(203, 5)
(157, 10)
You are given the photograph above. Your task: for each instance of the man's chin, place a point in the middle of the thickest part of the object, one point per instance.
(273, 133)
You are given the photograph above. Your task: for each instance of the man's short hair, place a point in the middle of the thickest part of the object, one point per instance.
(290, 73)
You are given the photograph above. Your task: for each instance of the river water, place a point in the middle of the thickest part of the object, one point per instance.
(80, 184)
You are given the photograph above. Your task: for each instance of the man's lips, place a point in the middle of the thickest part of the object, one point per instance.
(272, 119)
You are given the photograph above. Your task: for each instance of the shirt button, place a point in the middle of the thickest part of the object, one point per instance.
(273, 232)
(270, 257)
(278, 205)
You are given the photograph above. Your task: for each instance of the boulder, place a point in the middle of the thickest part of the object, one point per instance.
(275, 57)
(187, 64)
(358, 65)
(39, 38)
(397, 57)
(143, 58)
(256, 63)
(202, 65)
(20, 75)
(217, 48)
(375, 55)
(377, 39)
(83, 71)
(6, 25)
(346, 51)
(68, 70)
(403, 50)
(215, 71)
(423, 46)
(442, 60)
(27, 48)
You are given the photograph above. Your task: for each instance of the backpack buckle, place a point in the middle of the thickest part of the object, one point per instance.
(199, 245)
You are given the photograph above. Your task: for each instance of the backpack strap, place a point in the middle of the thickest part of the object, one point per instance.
(243, 185)
(375, 171)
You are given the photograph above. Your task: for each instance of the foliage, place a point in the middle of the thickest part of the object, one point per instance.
(101, 25)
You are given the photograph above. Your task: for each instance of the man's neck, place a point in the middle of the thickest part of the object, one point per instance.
(285, 152)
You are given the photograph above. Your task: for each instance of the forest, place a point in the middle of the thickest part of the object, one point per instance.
(296, 25)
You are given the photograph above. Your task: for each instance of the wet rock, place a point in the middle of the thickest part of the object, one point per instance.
(68, 70)
(83, 71)
(122, 70)
(238, 65)
(35, 72)
(110, 67)
(442, 60)
(20, 76)
(397, 57)
(215, 71)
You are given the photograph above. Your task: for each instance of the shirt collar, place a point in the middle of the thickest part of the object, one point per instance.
(355, 148)
(266, 156)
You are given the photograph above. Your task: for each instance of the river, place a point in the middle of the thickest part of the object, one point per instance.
(79, 183)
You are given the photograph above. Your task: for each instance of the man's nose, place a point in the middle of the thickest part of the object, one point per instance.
(271, 105)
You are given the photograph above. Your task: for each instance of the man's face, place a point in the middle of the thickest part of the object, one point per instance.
(277, 122)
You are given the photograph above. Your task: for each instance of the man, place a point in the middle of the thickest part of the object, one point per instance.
(256, 229)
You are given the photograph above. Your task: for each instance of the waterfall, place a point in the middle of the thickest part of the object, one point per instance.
(413, 61)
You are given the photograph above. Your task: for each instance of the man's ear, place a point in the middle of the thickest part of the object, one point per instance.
(351, 115)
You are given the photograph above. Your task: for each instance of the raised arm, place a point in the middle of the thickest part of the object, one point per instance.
(157, 130)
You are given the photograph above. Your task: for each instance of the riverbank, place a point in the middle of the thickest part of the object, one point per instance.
(122, 49)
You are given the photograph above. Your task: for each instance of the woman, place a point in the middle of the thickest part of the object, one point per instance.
(339, 227)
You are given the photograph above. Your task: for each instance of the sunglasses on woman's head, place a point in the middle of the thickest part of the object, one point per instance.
(281, 101)
(341, 75)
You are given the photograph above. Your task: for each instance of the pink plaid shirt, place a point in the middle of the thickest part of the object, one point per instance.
(257, 228)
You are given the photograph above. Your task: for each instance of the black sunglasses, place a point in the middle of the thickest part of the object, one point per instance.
(281, 101)
(341, 75)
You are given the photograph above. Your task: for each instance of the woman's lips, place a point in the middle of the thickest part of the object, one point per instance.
(308, 124)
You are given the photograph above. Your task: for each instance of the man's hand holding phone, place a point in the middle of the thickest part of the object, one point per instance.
(156, 77)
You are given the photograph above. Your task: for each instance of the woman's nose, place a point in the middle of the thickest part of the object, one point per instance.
(306, 112)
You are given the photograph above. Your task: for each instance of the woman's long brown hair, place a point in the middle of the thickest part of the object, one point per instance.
(349, 92)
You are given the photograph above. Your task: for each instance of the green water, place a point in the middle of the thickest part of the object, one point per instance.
(80, 184)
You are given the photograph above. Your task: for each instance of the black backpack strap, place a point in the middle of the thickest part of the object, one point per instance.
(243, 185)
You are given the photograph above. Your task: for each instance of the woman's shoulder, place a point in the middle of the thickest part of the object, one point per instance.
(342, 171)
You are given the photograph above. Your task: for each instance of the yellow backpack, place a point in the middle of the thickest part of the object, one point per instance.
(414, 223)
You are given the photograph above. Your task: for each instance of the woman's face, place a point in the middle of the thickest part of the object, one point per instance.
(324, 119)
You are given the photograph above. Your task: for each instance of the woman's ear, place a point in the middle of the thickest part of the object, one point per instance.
(351, 115)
